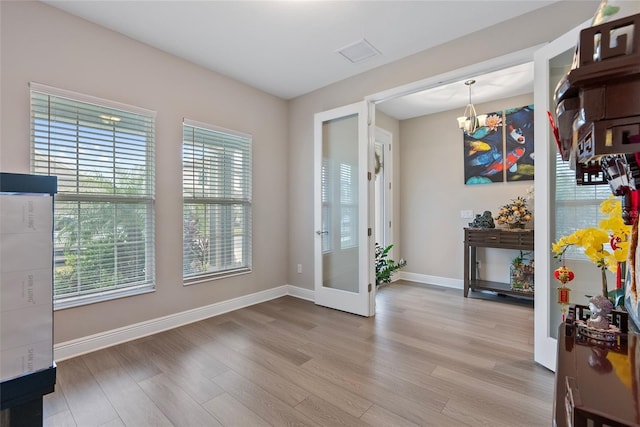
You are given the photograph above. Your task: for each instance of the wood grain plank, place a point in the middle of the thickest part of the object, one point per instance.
(271, 409)
(338, 396)
(85, 398)
(134, 360)
(177, 405)
(130, 402)
(415, 404)
(326, 414)
(231, 413)
(178, 364)
(60, 419)
(494, 399)
(274, 384)
(55, 403)
(378, 416)
(114, 423)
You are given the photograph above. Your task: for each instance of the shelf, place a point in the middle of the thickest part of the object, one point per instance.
(502, 288)
(496, 238)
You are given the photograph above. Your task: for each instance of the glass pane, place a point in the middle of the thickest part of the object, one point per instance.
(340, 196)
(215, 238)
(101, 246)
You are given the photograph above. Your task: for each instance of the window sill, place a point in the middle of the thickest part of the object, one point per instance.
(77, 301)
(215, 276)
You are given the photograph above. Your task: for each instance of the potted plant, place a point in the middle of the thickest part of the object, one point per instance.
(386, 267)
(522, 272)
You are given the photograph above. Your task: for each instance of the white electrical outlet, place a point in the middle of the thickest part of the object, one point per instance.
(299, 268)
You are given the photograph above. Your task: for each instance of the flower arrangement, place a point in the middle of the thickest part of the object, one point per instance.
(607, 246)
(514, 214)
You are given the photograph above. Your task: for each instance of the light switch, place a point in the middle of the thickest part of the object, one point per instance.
(466, 214)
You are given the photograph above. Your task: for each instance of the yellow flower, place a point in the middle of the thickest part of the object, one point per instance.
(595, 241)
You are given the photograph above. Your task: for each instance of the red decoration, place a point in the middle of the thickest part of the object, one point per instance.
(563, 274)
(556, 132)
(563, 295)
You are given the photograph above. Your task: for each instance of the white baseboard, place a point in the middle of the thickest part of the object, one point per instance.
(432, 280)
(77, 347)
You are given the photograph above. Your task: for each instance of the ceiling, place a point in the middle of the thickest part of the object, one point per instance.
(289, 48)
(512, 81)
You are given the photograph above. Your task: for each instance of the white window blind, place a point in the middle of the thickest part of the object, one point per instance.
(103, 155)
(326, 207)
(348, 206)
(577, 206)
(217, 186)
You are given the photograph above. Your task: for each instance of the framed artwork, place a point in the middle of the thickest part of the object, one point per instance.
(502, 149)
(519, 137)
(483, 152)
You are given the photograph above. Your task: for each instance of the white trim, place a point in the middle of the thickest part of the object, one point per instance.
(302, 293)
(94, 100)
(446, 282)
(77, 347)
(214, 128)
(490, 65)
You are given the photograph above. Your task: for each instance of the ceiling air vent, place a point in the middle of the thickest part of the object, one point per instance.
(358, 51)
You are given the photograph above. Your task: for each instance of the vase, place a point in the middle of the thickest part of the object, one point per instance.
(516, 225)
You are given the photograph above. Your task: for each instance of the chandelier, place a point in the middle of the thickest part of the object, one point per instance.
(471, 121)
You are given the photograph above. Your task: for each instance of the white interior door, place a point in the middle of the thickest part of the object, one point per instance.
(550, 63)
(343, 189)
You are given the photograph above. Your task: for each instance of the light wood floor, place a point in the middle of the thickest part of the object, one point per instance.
(429, 357)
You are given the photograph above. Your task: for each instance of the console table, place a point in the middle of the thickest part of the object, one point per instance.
(492, 238)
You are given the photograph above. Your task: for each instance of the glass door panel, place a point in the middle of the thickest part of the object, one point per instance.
(342, 188)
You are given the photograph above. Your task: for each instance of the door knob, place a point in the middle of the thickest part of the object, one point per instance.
(321, 232)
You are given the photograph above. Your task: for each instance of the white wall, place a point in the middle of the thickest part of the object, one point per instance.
(432, 182)
(43, 44)
(524, 32)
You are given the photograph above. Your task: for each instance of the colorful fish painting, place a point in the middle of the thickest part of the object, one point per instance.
(486, 158)
(504, 147)
(510, 162)
(476, 146)
(519, 130)
(482, 149)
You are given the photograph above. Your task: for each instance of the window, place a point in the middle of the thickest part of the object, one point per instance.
(577, 206)
(326, 218)
(103, 155)
(339, 182)
(216, 185)
(348, 206)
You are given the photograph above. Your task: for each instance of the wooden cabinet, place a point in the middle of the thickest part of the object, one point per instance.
(597, 383)
(492, 238)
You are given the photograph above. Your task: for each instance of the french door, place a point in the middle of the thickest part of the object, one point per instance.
(550, 63)
(343, 251)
